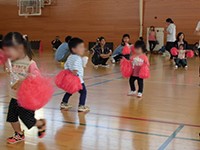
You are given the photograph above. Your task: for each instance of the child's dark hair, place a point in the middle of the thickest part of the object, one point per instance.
(140, 44)
(169, 20)
(125, 35)
(15, 39)
(101, 38)
(68, 38)
(73, 43)
(1, 37)
(181, 45)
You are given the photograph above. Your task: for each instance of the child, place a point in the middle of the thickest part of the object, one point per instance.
(138, 60)
(20, 55)
(117, 54)
(75, 64)
(181, 60)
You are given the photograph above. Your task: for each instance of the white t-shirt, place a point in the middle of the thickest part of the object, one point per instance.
(74, 62)
(198, 26)
(171, 36)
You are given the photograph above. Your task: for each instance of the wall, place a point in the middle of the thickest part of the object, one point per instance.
(185, 13)
(87, 19)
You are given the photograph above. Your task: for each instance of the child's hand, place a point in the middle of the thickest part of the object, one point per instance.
(17, 85)
(85, 61)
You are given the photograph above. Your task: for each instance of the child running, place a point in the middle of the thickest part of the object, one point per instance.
(76, 65)
(139, 59)
(20, 66)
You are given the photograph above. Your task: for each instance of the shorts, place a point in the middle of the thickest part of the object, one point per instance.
(15, 112)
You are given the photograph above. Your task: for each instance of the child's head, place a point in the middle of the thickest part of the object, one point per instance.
(152, 28)
(102, 41)
(16, 47)
(68, 38)
(181, 47)
(169, 21)
(76, 46)
(140, 47)
(125, 39)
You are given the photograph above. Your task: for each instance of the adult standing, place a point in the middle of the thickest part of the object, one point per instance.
(171, 34)
(63, 50)
(152, 38)
(198, 33)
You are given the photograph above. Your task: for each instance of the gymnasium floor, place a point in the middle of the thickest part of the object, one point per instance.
(168, 116)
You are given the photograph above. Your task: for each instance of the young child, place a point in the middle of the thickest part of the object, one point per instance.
(181, 60)
(20, 66)
(75, 64)
(138, 60)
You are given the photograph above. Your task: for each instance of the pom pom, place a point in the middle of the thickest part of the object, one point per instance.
(133, 49)
(190, 54)
(126, 67)
(144, 72)
(34, 92)
(3, 58)
(174, 51)
(126, 50)
(67, 81)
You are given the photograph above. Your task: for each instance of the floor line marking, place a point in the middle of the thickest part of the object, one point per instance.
(171, 137)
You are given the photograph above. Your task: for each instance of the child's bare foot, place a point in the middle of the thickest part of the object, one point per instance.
(42, 129)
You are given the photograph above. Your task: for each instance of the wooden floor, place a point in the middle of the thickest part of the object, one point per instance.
(168, 116)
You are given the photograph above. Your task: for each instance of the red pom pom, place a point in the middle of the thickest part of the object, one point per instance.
(190, 54)
(126, 68)
(35, 92)
(174, 51)
(133, 49)
(144, 72)
(126, 50)
(3, 58)
(67, 81)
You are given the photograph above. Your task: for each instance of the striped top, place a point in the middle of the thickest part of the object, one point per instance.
(74, 62)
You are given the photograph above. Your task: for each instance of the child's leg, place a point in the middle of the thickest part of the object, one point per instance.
(140, 85)
(83, 95)
(16, 126)
(184, 62)
(177, 61)
(132, 83)
(66, 97)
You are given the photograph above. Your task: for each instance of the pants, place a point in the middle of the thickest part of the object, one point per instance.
(82, 99)
(152, 45)
(181, 62)
(117, 58)
(15, 112)
(168, 47)
(97, 60)
(140, 83)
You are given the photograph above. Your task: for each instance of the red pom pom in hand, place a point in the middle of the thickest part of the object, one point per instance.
(126, 50)
(126, 67)
(3, 58)
(190, 54)
(35, 92)
(144, 72)
(67, 81)
(174, 51)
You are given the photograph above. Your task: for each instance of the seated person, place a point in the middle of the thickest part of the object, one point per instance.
(181, 60)
(63, 50)
(56, 43)
(1, 39)
(196, 49)
(117, 54)
(180, 39)
(101, 53)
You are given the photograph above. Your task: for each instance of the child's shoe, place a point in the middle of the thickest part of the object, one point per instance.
(132, 93)
(82, 108)
(65, 106)
(139, 95)
(176, 67)
(112, 60)
(17, 137)
(186, 67)
(42, 129)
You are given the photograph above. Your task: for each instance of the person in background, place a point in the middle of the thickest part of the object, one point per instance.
(181, 60)
(195, 48)
(1, 39)
(171, 35)
(101, 54)
(56, 43)
(152, 38)
(180, 39)
(197, 31)
(63, 50)
(117, 54)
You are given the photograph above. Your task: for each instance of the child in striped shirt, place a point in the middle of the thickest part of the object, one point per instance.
(76, 65)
